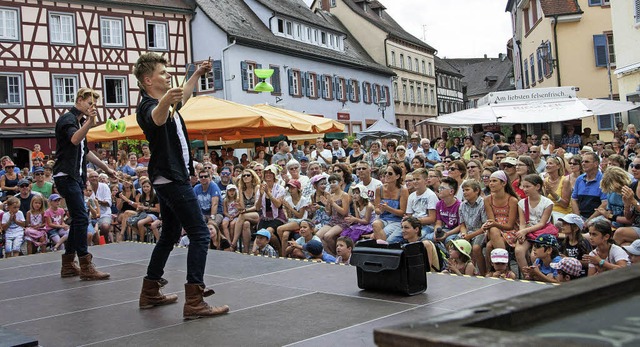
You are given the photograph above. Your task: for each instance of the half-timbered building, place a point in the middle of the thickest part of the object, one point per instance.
(50, 49)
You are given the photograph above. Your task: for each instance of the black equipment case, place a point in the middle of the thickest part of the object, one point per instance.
(391, 268)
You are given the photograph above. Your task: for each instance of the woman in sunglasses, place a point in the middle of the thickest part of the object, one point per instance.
(458, 171)
(575, 169)
(557, 187)
(249, 191)
(391, 149)
(465, 151)
(390, 203)
(546, 147)
(9, 181)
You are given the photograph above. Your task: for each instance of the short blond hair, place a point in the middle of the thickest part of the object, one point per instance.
(84, 93)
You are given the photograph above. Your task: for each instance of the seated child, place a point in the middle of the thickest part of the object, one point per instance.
(296, 248)
(605, 255)
(344, 247)
(364, 214)
(546, 254)
(13, 223)
(569, 269)
(315, 248)
(459, 261)
(447, 217)
(472, 217)
(261, 245)
(500, 264)
(57, 229)
(634, 251)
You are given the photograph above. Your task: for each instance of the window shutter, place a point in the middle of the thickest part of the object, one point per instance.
(600, 49)
(307, 76)
(595, 2)
(243, 72)
(374, 92)
(318, 87)
(364, 92)
(637, 11)
(217, 75)
(549, 63)
(275, 80)
(388, 96)
(348, 85)
(290, 82)
(323, 91)
(369, 92)
(303, 84)
(336, 88)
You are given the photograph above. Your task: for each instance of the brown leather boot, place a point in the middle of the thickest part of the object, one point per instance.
(69, 266)
(88, 271)
(150, 296)
(195, 307)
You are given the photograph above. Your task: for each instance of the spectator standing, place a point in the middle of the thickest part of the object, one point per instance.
(37, 152)
(518, 145)
(571, 141)
(431, 156)
(320, 153)
(587, 195)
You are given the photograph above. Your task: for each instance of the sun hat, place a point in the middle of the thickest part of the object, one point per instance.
(568, 265)
(572, 218)
(294, 183)
(633, 248)
(463, 246)
(364, 191)
(500, 255)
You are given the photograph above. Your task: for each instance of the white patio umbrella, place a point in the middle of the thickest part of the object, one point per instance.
(532, 106)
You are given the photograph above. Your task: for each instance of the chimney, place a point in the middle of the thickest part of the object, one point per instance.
(326, 5)
(485, 56)
(501, 56)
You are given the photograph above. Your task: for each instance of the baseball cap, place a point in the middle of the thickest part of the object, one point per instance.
(231, 186)
(38, 169)
(633, 248)
(502, 151)
(488, 134)
(304, 158)
(510, 161)
(500, 255)
(54, 197)
(315, 179)
(23, 181)
(455, 155)
(546, 240)
(294, 183)
(572, 218)
(568, 265)
(265, 233)
(314, 247)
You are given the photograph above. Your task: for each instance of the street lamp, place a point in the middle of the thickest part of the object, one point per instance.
(382, 105)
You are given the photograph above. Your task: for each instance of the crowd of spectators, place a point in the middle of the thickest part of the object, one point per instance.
(480, 206)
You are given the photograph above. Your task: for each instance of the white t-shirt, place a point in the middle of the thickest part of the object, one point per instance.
(14, 229)
(616, 253)
(419, 205)
(535, 214)
(103, 193)
(373, 187)
(304, 201)
(325, 153)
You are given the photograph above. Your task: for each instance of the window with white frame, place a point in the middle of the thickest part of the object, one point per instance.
(10, 90)
(393, 58)
(61, 28)
(312, 83)
(328, 87)
(295, 83)
(64, 89)
(419, 95)
(289, 28)
(111, 32)
(404, 93)
(207, 81)
(342, 90)
(413, 94)
(9, 26)
(395, 91)
(115, 90)
(610, 49)
(157, 35)
(355, 91)
(250, 76)
(280, 26)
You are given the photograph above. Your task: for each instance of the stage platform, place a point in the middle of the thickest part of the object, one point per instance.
(274, 302)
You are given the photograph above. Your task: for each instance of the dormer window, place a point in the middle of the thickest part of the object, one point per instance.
(305, 33)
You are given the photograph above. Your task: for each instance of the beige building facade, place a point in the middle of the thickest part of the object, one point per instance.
(414, 88)
(625, 17)
(568, 43)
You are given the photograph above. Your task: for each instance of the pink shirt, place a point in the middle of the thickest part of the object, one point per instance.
(57, 216)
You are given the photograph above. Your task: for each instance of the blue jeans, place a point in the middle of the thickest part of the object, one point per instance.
(71, 191)
(179, 208)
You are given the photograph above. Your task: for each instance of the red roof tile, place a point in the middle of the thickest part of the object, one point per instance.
(558, 7)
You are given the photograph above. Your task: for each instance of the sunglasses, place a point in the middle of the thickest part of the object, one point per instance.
(507, 165)
(472, 166)
(475, 156)
(586, 162)
(202, 177)
(38, 174)
(574, 163)
(447, 161)
(533, 151)
(401, 150)
(294, 168)
(361, 168)
(24, 185)
(246, 175)
(389, 173)
(453, 169)
(635, 166)
(337, 170)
